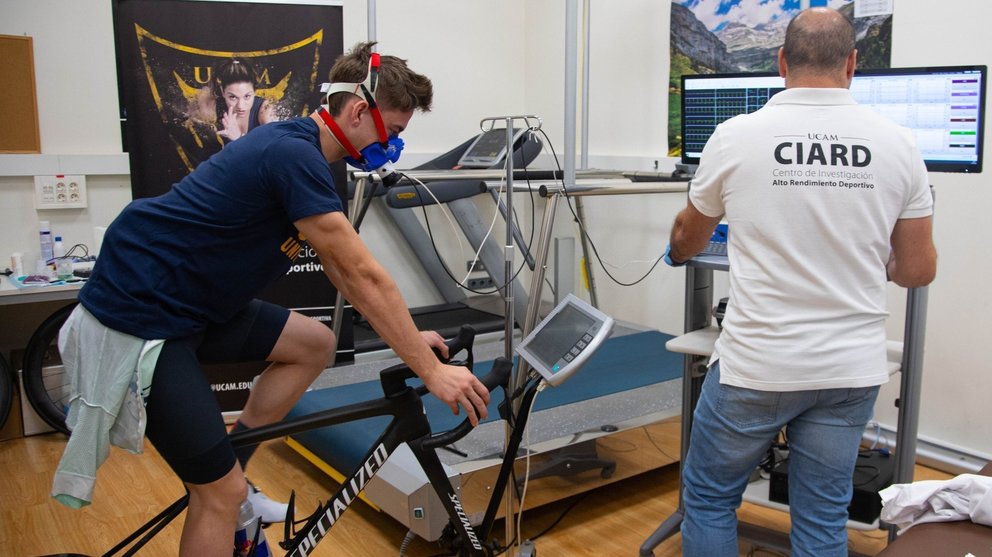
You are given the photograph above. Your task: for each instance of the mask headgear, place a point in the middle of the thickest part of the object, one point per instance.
(377, 157)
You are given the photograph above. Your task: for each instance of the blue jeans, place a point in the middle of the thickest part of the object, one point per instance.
(732, 431)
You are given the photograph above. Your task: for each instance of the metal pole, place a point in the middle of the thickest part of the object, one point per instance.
(537, 281)
(338, 314)
(371, 22)
(571, 69)
(911, 386)
(584, 160)
(571, 56)
(511, 534)
(508, 246)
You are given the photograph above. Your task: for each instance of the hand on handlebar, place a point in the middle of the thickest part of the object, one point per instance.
(456, 386)
(435, 341)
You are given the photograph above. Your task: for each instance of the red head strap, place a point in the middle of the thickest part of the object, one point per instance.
(366, 89)
(338, 134)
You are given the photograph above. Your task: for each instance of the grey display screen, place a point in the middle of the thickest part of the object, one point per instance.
(489, 145)
(560, 334)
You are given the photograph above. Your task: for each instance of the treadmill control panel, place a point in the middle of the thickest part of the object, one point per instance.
(565, 339)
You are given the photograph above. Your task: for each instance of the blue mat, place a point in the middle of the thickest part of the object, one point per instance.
(621, 364)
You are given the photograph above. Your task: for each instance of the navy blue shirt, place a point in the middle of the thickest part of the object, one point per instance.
(199, 253)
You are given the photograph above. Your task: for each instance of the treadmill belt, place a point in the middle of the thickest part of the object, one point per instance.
(446, 319)
(621, 363)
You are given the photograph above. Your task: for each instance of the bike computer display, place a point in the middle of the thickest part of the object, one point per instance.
(565, 339)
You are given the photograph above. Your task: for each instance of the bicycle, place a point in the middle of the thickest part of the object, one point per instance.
(410, 425)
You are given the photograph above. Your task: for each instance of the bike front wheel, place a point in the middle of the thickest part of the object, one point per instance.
(46, 385)
(6, 390)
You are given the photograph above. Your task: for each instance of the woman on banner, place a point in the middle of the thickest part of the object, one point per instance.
(239, 108)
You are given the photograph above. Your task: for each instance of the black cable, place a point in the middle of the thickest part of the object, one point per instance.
(514, 218)
(533, 213)
(505, 548)
(72, 250)
(568, 509)
(430, 233)
(585, 234)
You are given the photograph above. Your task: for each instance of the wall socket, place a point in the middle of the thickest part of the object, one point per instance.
(481, 283)
(474, 266)
(61, 191)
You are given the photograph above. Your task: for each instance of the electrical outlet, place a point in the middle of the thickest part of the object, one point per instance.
(481, 283)
(61, 191)
(474, 266)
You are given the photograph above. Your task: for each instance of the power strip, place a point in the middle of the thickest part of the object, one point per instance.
(480, 283)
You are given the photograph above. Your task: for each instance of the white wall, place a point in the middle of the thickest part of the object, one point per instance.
(957, 378)
(497, 57)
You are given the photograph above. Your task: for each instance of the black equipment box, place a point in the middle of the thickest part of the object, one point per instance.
(872, 473)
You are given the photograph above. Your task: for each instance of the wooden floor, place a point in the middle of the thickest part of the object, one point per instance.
(611, 520)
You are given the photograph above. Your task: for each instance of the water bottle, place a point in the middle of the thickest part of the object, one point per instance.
(58, 250)
(47, 246)
(244, 537)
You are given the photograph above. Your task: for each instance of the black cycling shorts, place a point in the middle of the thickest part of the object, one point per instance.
(185, 423)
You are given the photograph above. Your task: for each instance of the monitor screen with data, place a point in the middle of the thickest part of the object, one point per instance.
(943, 106)
(709, 100)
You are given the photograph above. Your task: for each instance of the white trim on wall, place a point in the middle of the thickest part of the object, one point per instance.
(94, 165)
(303, 2)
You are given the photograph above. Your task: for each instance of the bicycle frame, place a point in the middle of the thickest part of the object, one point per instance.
(409, 424)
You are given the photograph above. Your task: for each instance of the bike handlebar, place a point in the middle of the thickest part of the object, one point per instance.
(465, 340)
(394, 378)
(498, 377)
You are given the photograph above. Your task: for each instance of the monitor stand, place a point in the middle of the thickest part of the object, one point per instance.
(685, 170)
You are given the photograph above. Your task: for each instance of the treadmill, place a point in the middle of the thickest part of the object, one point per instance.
(484, 312)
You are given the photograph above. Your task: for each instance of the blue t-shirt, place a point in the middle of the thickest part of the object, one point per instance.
(199, 253)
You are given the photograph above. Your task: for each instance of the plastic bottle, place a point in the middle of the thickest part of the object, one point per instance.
(58, 250)
(244, 536)
(47, 246)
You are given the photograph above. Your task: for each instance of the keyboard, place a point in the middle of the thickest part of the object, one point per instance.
(715, 248)
(717, 245)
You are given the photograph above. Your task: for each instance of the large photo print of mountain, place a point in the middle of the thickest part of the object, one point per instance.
(735, 36)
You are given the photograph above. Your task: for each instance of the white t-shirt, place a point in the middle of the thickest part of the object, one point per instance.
(811, 186)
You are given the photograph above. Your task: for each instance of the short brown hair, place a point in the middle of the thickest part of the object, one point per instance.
(818, 40)
(399, 87)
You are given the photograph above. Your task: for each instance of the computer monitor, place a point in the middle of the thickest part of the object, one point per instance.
(709, 100)
(943, 106)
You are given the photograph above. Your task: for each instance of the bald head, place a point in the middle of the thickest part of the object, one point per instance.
(819, 43)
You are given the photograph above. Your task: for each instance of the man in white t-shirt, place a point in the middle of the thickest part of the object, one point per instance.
(826, 201)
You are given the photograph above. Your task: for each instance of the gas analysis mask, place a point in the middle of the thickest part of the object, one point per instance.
(379, 156)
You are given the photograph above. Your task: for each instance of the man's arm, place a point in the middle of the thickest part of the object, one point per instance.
(690, 233)
(913, 262)
(360, 278)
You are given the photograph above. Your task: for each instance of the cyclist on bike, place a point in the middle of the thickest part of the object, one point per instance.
(184, 268)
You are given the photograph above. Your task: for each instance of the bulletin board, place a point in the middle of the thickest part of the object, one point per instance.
(19, 109)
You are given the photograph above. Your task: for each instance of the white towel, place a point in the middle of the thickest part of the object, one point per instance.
(965, 497)
(110, 374)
